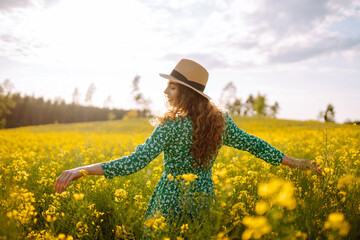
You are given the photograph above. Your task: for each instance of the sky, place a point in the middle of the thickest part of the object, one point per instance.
(303, 54)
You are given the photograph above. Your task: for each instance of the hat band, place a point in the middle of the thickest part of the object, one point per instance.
(182, 78)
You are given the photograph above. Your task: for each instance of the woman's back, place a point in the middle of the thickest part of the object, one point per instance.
(175, 139)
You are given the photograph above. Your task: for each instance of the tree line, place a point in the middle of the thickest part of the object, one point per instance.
(22, 110)
(258, 106)
(28, 110)
(18, 110)
(252, 106)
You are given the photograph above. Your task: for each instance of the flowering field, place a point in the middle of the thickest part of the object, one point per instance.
(254, 199)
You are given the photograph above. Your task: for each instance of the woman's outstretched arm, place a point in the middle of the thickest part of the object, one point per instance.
(301, 164)
(143, 155)
(68, 176)
(239, 139)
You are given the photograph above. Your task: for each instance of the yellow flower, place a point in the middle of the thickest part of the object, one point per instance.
(120, 194)
(9, 214)
(301, 235)
(344, 228)
(261, 207)
(148, 183)
(48, 218)
(184, 228)
(157, 168)
(221, 236)
(79, 224)
(216, 180)
(342, 193)
(346, 181)
(256, 227)
(120, 230)
(189, 177)
(268, 189)
(138, 197)
(279, 192)
(328, 170)
(285, 197)
(157, 223)
(61, 236)
(83, 172)
(337, 221)
(222, 173)
(78, 196)
(170, 177)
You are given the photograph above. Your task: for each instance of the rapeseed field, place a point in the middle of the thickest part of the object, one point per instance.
(254, 199)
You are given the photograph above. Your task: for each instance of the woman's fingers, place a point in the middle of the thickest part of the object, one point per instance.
(66, 178)
(316, 167)
(310, 165)
(63, 181)
(59, 181)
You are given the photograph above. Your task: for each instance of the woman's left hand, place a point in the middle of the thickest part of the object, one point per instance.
(65, 178)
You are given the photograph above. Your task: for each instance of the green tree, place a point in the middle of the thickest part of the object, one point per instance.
(249, 106)
(142, 104)
(274, 109)
(329, 114)
(6, 103)
(235, 108)
(260, 106)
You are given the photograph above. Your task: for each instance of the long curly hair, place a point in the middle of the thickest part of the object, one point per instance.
(208, 123)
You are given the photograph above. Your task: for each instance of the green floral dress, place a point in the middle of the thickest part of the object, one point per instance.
(174, 138)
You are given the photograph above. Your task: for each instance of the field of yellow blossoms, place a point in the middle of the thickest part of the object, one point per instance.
(254, 199)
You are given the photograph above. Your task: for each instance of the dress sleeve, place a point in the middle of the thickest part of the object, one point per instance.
(143, 155)
(239, 139)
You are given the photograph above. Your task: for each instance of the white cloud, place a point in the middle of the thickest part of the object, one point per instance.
(6, 5)
(277, 31)
(238, 33)
(114, 40)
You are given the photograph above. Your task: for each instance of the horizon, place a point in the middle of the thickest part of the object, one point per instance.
(159, 113)
(302, 54)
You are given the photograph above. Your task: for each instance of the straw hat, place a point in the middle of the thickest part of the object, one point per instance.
(190, 74)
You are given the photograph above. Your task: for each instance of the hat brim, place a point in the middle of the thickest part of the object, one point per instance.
(171, 78)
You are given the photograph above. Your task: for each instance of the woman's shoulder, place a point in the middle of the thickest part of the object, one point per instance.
(229, 122)
(227, 117)
(226, 114)
(172, 123)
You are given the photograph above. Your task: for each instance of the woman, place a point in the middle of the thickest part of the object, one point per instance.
(190, 134)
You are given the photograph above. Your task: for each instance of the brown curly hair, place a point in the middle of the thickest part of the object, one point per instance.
(208, 123)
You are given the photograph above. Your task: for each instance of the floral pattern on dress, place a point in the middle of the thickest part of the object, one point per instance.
(174, 139)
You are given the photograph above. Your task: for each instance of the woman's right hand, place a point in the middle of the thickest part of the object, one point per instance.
(65, 178)
(303, 164)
